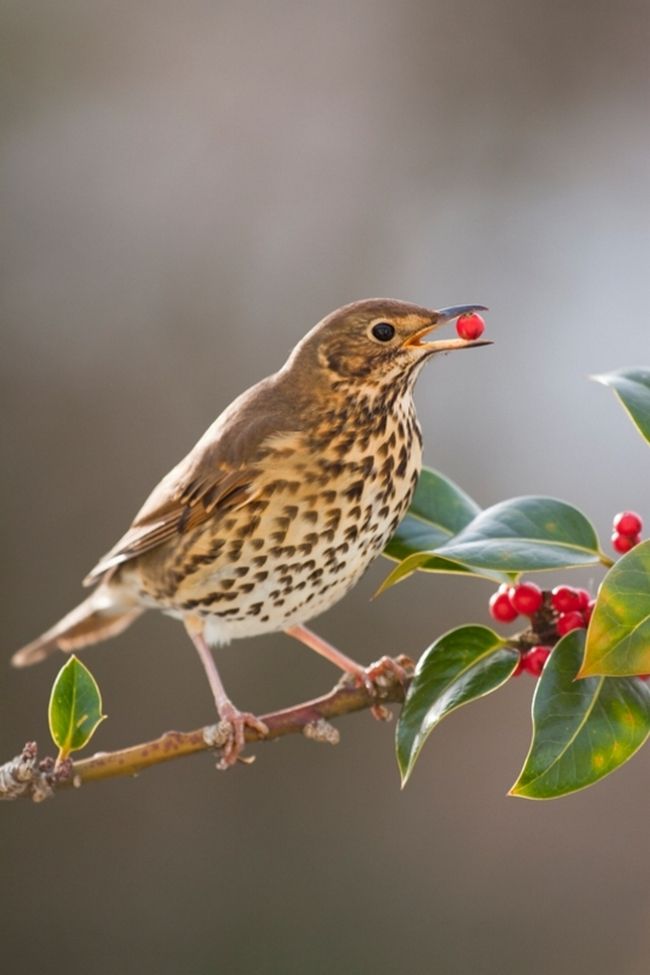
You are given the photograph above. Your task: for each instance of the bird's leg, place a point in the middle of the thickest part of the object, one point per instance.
(325, 649)
(368, 676)
(238, 720)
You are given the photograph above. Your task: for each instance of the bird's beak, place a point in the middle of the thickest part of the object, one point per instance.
(448, 314)
(441, 317)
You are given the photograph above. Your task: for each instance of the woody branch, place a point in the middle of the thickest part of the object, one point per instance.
(25, 776)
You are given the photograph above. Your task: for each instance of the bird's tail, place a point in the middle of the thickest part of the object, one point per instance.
(104, 614)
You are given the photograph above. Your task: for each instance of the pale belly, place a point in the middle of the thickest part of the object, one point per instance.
(299, 593)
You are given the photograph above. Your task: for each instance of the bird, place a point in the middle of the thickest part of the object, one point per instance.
(279, 508)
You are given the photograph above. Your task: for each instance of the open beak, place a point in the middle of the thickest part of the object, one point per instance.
(442, 316)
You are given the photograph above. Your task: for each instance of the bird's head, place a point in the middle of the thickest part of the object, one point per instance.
(378, 341)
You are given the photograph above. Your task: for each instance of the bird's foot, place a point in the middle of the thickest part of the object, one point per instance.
(378, 677)
(233, 723)
(387, 670)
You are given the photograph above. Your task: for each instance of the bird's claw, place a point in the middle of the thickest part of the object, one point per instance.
(376, 678)
(386, 671)
(381, 713)
(234, 723)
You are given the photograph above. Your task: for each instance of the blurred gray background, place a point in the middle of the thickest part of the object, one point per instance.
(186, 188)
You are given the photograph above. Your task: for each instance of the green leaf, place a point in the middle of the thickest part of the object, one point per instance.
(430, 562)
(632, 387)
(582, 729)
(464, 664)
(618, 639)
(525, 534)
(75, 707)
(439, 510)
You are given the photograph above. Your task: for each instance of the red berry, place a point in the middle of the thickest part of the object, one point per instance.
(470, 326)
(568, 622)
(519, 669)
(584, 597)
(623, 543)
(533, 661)
(501, 608)
(628, 523)
(588, 610)
(526, 598)
(565, 599)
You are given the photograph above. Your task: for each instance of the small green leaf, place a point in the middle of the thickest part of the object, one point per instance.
(464, 664)
(75, 707)
(618, 639)
(439, 510)
(632, 387)
(525, 534)
(582, 729)
(430, 562)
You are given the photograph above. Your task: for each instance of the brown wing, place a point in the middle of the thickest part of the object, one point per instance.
(218, 474)
(174, 510)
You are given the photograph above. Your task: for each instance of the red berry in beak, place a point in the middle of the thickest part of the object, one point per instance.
(470, 327)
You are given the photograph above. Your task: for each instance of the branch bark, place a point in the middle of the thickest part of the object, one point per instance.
(26, 777)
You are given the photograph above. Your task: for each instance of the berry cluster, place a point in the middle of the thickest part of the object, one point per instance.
(627, 531)
(552, 615)
(573, 606)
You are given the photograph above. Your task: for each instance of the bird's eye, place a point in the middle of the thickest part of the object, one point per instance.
(383, 331)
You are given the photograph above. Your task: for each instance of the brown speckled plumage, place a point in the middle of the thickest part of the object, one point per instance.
(279, 508)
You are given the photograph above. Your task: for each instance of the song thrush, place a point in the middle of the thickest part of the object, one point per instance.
(282, 504)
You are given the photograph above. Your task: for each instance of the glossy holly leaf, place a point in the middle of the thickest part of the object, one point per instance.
(430, 562)
(439, 510)
(525, 534)
(461, 666)
(582, 729)
(618, 639)
(632, 387)
(75, 708)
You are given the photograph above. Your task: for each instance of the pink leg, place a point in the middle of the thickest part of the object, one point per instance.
(315, 642)
(364, 675)
(238, 720)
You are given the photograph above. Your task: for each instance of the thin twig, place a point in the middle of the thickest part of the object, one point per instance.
(27, 777)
